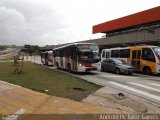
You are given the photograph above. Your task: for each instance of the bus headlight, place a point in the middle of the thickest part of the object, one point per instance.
(81, 65)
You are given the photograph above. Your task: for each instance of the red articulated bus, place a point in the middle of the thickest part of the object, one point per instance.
(47, 58)
(78, 57)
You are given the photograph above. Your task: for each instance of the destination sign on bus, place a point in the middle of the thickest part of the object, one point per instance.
(91, 47)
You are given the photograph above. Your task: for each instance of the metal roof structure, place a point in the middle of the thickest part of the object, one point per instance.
(137, 19)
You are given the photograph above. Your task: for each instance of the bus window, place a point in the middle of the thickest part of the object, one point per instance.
(103, 54)
(115, 53)
(54, 54)
(124, 53)
(107, 54)
(57, 53)
(73, 53)
(66, 52)
(62, 53)
(148, 55)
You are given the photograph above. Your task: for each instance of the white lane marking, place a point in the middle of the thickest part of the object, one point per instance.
(15, 115)
(154, 84)
(147, 87)
(137, 91)
(115, 76)
(110, 76)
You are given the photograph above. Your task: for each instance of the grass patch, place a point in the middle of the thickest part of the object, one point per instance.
(39, 78)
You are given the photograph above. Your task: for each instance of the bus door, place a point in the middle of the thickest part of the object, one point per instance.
(74, 58)
(104, 55)
(53, 58)
(46, 60)
(61, 59)
(108, 54)
(136, 55)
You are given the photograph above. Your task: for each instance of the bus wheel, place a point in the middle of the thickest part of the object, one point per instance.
(147, 71)
(57, 65)
(69, 68)
(117, 71)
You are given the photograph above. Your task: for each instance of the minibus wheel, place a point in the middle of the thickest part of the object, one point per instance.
(147, 71)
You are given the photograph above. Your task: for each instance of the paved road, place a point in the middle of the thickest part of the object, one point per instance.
(144, 86)
(147, 87)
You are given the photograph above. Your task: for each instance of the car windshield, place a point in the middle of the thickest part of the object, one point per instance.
(118, 61)
(123, 62)
(157, 51)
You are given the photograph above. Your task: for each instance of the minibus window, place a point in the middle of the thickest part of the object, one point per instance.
(133, 54)
(115, 53)
(124, 53)
(107, 54)
(148, 55)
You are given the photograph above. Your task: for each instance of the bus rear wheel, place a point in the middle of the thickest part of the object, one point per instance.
(69, 68)
(57, 65)
(147, 71)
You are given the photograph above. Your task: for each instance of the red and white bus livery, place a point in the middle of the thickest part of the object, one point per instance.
(78, 57)
(47, 58)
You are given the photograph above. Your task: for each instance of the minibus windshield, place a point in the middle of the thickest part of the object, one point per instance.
(157, 51)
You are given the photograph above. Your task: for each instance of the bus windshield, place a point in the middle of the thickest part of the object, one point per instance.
(157, 51)
(88, 53)
(88, 57)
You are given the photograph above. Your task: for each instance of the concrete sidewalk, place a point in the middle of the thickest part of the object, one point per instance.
(18, 100)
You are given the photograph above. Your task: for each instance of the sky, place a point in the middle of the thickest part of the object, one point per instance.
(52, 22)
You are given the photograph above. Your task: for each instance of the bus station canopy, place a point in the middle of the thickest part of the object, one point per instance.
(137, 19)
